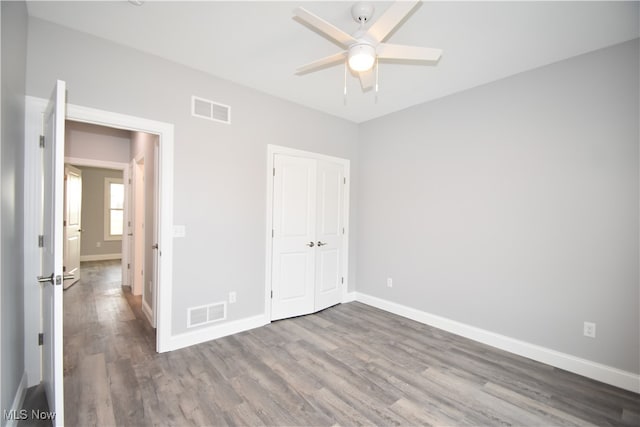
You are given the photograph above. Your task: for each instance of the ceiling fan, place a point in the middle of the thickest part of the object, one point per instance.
(366, 46)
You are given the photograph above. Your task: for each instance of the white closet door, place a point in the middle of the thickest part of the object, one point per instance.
(330, 189)
(294, 250)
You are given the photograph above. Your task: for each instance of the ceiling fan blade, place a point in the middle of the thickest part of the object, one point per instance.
(326, 28)
(390, 19)
(415, 53)
(322, 63)
(367, 79)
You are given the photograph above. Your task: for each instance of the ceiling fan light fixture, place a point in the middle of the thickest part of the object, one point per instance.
(361, 57)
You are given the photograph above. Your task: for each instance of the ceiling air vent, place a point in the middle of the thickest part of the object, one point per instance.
(206, 109)
(204, 314)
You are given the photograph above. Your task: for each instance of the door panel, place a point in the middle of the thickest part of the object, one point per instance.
(294, 218)
(72, 227)
(293, 271)
(329, 234)
(330, 197)
(52, 253)
(329, 269)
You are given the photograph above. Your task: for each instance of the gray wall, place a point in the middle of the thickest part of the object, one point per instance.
(513, 206)
(13, 52)
(93, 212)
(88, 141)
(143, 143)
(220, 170)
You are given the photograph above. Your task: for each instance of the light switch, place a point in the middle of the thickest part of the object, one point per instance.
(179, 231)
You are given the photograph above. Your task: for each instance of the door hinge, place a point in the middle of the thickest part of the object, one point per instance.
(41, 141)
(64, 223)
(274, 171)
(41, 241)
(128, 266)
(342, 280)
(344, 180)
(40, 338)
(342, 230)
(129, 180)
(271, 294)
(64, 268)
(273, 233)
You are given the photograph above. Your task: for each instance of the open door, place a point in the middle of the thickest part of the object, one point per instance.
(72, 223)
(51, 274)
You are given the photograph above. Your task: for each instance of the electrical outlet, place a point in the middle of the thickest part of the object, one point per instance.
(589, 329)
(98, 244)
(232, 297)
(389, 282)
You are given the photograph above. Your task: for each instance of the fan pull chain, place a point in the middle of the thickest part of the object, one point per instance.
(377, 69)
(345, 82)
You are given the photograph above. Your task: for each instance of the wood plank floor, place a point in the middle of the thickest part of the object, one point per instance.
(348, 365)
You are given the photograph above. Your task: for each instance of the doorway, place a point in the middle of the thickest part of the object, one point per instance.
(119, 215)
(33, 222)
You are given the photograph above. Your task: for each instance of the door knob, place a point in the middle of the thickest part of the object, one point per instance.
(310, 244)
(154, 246)
(321, 243)
(45, 279)
(68, 277)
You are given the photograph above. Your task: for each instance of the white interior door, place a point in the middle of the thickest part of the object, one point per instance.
(294, 219)
(155, 253)
(329, 234)
(138, 228)
(130, 244)
(72, 224)
(52, 253)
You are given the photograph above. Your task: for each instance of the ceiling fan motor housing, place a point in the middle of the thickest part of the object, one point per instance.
(362, 12)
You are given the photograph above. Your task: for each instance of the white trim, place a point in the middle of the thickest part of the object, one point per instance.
(147, 312)
(18, 400)
(216, 331)
(278, 149)
(94, 163)
(165, 132)
(597, 371)
(350, 297)
(100, 257)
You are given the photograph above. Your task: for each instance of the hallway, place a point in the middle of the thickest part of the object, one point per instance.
(105, 333)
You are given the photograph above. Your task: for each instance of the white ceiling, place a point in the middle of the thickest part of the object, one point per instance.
(259, 44)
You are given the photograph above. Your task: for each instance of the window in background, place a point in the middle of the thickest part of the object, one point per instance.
(114, 208)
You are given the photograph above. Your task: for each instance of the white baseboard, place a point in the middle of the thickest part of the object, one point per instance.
(18, 400)
(349, 297)
(597, 371)
(215, 331)
(100, 257)
(148, 312)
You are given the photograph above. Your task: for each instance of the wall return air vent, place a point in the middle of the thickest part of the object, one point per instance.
(201, 315)
(206, 109)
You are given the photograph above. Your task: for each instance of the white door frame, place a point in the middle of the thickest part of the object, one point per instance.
(34, 108)
(272, 150)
